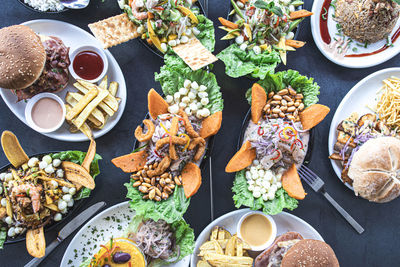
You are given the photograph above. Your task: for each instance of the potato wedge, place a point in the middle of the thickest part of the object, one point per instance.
(35, 242)
(104, 82)
(109, 100)
(113, 89)
(82, 117)
(97, 117)
(230, 246)
(77, 174)
(224, 260)
(13, 150)
(203, 264)
(102, 105)
(82, 103)
(214, 233)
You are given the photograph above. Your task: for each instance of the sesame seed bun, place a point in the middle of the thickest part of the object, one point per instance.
(310, 253)
(22, 57)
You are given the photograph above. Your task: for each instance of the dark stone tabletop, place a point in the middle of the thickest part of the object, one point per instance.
(377, 246)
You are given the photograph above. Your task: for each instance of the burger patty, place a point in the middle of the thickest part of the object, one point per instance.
(55, 73)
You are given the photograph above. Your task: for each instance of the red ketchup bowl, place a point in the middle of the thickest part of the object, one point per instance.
(89, 63)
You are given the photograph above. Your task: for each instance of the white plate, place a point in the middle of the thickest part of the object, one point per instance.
(112, 222)
(73, 37)
(350, 62)
(285, 222)
(356, 100)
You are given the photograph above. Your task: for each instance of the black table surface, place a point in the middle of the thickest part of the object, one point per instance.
(377, 246)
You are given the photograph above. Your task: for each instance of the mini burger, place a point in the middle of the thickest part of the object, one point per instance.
(32, 64)
(291, 250)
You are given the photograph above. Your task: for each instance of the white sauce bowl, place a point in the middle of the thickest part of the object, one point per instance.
(31, 103)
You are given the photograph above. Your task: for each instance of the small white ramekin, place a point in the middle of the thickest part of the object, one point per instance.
(99, 51)
(273, 234)
(31, 103)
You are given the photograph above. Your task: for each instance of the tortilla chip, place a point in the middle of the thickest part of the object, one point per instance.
(211, 125)
(242, 159)
(258, 101)
(313, 115)
(132, 162)
(194, 54)
(157, 105)
(114, 30)
(191, 179)
(292, 184)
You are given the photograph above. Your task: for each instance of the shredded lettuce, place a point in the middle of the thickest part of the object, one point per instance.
(169, 210)
(78, 157)
(174, 73)
(283, 79)
(184, 237)
(240, 63)
(243, 197)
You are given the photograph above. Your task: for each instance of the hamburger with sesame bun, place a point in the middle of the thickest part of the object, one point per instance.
(31, 64)
(291, 250)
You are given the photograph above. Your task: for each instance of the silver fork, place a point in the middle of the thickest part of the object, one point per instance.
(317, 185)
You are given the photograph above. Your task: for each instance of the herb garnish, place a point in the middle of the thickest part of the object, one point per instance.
(270, 6)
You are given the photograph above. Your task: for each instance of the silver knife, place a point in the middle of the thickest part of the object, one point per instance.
(68, 229)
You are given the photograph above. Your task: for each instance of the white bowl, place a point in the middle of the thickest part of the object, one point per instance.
(273, 226)
(99, 51)
(31, 103)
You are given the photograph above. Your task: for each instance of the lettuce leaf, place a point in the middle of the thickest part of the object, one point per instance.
(243, 197)
(240, 63)
(206, 35)
(169, 210)
(78, 157)
(3, 236)
(184, 237)
(174, 73)
(280, 80)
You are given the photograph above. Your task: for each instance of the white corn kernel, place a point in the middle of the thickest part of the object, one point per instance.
(58, 217)
(204, 101)
(172, 43)
(243, 46)
(32, 162)
(70, 203)
(54, 183)
(43, 165)
(4, 202)
(62, 204)
(67, 197)
(191, 95)
(195, 31)
(184, 39)
(185, 99)
(193, 107)
(164, 47)
(72, 191)
(65, 189)
(174, 109)
(8, 220)
(8, 177)
(187, 84)
(169, 99)
(257, 50)
(195, 85)
(239, 40)
(202, 88)
(188, 111)
(49, 169)
(11, 232)
(183, 91)
(56, 163)
(47, 159)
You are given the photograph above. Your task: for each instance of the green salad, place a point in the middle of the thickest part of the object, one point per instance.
(167, 23)
(263, 31)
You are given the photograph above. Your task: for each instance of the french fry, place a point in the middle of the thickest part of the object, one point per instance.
(102, 105)
(85, 129)
(230, 246)
(72, 99)
(104, 82)
(113, 89)
(80, 120)
(224, 260)
(109, 100)
(82, 103)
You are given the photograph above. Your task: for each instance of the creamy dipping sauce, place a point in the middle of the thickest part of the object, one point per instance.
(256, 230)
(47, 113)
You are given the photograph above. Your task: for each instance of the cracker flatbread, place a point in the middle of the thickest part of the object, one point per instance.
(194, 54)
(114, 30)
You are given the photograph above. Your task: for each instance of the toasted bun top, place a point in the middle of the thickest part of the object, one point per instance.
(22, 57)
(310, 253)
(375, 169)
